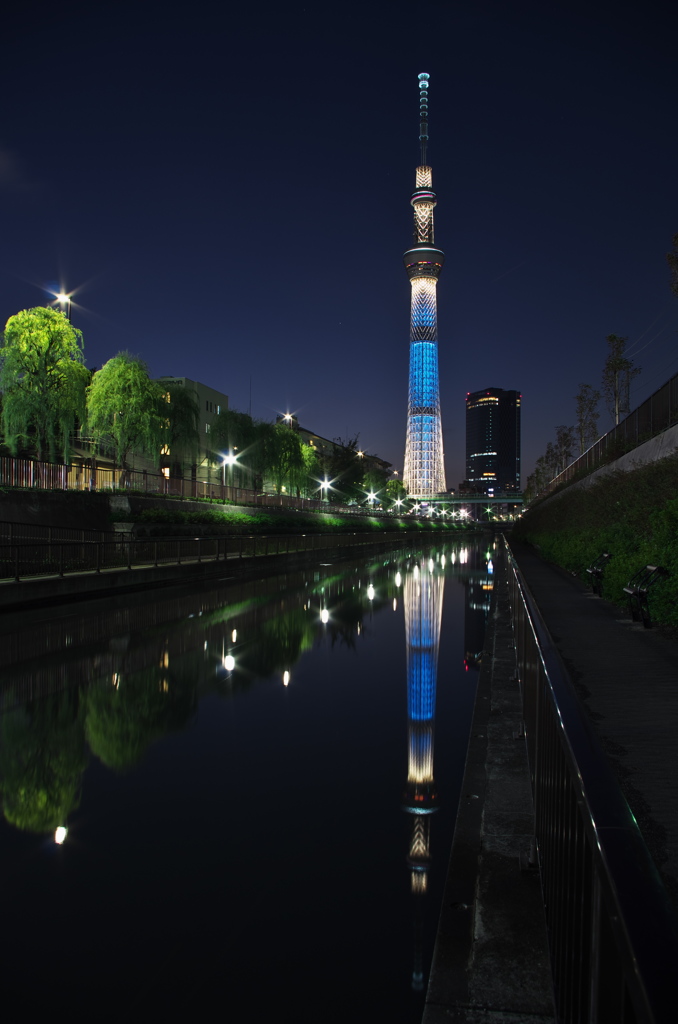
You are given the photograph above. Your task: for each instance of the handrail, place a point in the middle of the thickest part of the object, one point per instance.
(59, 558)
(652, 417)
(613, 933)
(83, 476)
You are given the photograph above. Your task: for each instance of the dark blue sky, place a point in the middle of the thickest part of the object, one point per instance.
(229, 193)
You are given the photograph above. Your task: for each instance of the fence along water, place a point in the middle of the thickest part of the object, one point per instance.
(612, 931)
(652, 417)
(86, 476)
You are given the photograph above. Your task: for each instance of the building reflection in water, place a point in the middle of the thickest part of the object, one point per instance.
(423, 602)
(479, 584)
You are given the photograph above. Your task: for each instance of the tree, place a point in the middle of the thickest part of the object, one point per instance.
(551, 460)
(396, 489)
(284, 459)
(563, 447)
(618, 373)
(672, 260)
(42, 760)
(181, 433)
(236, 433)
(344, 467)
(43, 379)
(586, 427)
(125, 409)
(123, 720)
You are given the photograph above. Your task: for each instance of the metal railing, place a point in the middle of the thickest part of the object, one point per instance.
(656, 414)
(19, 561)
(29, 533)
(612, 931)
(83, 476)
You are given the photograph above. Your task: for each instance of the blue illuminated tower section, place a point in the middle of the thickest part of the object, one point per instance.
(423, 602)
(424, 472)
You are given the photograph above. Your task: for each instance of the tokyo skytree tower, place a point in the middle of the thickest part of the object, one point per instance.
(424, 472)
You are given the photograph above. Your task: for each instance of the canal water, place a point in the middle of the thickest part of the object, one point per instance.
(237, 801)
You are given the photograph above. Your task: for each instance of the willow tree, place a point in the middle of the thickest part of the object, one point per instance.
(125, 409)
(42, 760)
(43, 380)
(181, 425)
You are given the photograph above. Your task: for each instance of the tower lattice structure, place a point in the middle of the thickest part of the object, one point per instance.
(424, 472)
(423, 601)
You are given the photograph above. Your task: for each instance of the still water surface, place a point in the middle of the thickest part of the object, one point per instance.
(253, 785)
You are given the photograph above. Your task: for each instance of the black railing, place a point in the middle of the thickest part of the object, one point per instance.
(19, 561)
(613, 934)
(656, 414)
(29, 533)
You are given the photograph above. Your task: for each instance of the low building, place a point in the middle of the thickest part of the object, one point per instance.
(210, 404)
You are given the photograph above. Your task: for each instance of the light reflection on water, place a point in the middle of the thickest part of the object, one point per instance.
(224, 772)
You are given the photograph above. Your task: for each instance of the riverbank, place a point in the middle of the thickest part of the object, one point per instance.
(491, 959)
(491, 933)
(632, 515)
(241, 561)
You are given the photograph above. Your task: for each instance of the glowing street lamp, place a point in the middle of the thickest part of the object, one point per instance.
(60, 834)
(230, 460)
(64, 301)
(324, 488)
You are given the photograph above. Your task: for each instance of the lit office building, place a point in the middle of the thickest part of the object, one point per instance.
(493, 441)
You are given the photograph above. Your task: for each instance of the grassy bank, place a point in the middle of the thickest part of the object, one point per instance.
(244, 520)
(633, 516)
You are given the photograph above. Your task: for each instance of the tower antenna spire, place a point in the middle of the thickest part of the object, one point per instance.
(424, 469)
(423, 115)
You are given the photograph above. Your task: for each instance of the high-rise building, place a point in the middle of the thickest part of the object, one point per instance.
(424, 472)
(493, 440)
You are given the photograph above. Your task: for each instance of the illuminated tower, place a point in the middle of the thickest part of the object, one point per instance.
(423, 602)
(424, 473)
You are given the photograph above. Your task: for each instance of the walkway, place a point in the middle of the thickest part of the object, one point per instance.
(626, 677)
(490, 963)
(491, 960)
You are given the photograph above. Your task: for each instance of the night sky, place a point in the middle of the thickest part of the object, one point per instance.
(227, 187)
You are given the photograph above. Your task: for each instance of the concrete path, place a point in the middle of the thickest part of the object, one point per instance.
(491, 962)
(627, 679)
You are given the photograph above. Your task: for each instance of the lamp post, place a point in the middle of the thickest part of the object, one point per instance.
(64, 301)
(229, 460)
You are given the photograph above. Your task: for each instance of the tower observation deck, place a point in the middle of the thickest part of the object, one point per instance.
(424, 472)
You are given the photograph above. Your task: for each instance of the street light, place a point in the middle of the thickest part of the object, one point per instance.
(64, 301)
(324, 488)
(229, 460)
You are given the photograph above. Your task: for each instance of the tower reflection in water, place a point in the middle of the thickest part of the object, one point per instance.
(423, 601)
